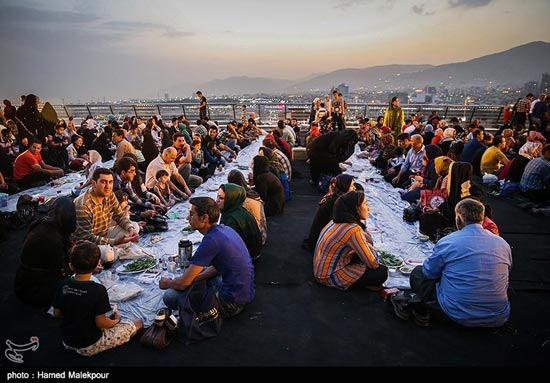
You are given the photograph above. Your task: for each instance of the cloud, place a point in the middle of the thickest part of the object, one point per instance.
(25, 15)
(177, 34)
(468, 3)
(419, 9)
(346, 4)
(133, 27)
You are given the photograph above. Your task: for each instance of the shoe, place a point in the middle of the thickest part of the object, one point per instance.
(421, 316)
(161, 316)
(172, 324)
(401, 306)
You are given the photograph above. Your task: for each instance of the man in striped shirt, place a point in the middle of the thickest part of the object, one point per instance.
(287, 166)
(522, 109)
(96, 208)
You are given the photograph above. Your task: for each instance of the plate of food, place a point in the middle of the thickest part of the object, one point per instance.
(212, 188)
(137, 266)
(187, 229)
(389, 260)
(243, 167)
(414, 262)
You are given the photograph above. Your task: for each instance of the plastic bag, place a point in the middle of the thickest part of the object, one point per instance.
(121, 292)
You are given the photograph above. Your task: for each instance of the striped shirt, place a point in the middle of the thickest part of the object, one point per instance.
(334, 254)
(523, 106)
(536, 175)
(93, 217)
(287, 167)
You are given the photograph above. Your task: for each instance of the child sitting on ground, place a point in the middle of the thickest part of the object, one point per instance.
(162, 189)
(83, 304)
(198, 166)
(398, 157)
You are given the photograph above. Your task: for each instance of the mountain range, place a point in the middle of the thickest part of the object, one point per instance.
(513, 67)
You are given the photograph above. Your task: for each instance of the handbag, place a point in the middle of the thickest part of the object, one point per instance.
(199, 311)
(26, 208)
(432, 198)
(155, 336)
(412, 213)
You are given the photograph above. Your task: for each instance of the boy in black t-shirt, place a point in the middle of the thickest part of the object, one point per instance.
(83, 303)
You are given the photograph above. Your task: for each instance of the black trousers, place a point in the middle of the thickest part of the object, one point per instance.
(372, 277)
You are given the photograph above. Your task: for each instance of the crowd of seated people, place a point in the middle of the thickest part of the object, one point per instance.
(113, 207)
(173, 160)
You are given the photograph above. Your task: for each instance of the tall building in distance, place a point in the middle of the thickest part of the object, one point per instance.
(545, 83)
(344, 89)
(530, 87)
(166, 97)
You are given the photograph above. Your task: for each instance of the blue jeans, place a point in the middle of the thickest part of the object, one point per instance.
(170, 298)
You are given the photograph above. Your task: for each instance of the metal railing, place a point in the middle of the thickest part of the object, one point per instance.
(269, 113)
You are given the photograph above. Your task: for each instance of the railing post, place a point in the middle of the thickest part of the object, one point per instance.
(472, 115)
(66, 111)
(111, 109)
(446, 111)
(259, 114)
(135, 110)
(183, 109)
(500, 111)
(234, 113)
(365, 114)
(89, 111)
(158, 110)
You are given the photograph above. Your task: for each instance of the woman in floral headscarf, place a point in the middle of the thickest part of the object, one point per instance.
(527, 152)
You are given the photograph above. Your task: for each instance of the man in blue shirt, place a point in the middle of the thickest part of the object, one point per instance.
(412, 164)
(472, 147)
(467, 275)
(222, 252)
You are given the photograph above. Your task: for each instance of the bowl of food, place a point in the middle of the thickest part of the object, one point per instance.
(389, 260)
(406, 270)
(423, 237)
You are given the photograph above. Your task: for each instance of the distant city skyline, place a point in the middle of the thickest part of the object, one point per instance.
(84, 50)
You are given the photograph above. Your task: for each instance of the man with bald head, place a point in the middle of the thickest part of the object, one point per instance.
(412, 164)
(165, 161)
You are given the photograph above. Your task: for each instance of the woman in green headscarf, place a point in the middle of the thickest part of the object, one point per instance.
(230, 201)
(394, 117)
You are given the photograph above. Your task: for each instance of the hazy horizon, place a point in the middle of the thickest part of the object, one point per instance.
(81, 50)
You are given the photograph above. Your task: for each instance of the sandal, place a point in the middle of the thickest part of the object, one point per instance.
(161, 316)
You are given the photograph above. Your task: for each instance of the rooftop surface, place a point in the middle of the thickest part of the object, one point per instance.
(295, 322)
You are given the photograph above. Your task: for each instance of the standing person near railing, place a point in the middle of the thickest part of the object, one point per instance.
(394, 117)
(202, 106)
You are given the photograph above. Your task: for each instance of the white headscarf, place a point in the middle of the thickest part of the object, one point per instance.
(528, 149)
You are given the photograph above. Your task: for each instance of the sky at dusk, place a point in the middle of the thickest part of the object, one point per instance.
(81, 50)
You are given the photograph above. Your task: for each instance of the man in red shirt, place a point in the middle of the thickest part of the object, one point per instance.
(29, 167)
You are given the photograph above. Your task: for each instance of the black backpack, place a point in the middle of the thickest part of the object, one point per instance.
(26, 208)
